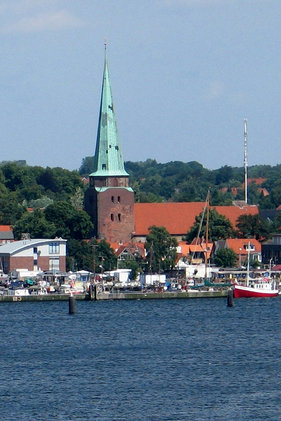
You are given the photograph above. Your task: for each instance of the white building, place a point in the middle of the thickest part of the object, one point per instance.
(34, 255)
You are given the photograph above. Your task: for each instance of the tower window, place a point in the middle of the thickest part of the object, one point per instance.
(112, 217)
(103, 166)
(112, 199)
(118, 199)
(117, 148)
(119, 217)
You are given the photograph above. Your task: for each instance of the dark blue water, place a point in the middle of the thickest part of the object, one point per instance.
(141, 360)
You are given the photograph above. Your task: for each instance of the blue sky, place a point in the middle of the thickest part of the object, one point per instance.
(184, 75)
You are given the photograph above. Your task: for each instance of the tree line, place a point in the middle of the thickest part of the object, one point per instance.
(178, 181)
(48, 202)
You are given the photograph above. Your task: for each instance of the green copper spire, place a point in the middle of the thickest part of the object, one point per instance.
(108, 160)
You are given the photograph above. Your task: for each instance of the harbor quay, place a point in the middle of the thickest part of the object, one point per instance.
(129, 295)
(25, 286)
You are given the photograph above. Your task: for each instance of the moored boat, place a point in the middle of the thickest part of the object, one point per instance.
(260, 288)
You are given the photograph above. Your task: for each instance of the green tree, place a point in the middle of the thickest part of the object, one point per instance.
(224, 174)
(220, 227)
(253, 226)
(80, 256)
(69, 222)
(77, 199)
(59, 184)
(10, 208)
(94, 256)
(80, 225)
(225, 258)
(161, 249)
(35, 225)
(105, 256)
(87, 166)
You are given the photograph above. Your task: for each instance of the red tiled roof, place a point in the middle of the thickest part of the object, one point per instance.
(233, 212)
(240, 245)
(234, 190)
(184, 247)
(132, 247)
(5, 228)
(264, 191)
(178, 218)
(258, 180)
(187, 249)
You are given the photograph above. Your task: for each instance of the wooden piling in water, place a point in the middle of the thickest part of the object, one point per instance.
(71, 305)
(230, 302)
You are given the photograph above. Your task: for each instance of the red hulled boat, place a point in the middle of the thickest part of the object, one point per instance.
(259, 288)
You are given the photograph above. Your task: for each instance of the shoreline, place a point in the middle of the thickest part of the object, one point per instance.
(104, 296)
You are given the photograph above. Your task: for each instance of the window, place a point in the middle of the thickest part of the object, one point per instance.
(54, 248)
(118, 199)
(119, 217)
(35, 250)
(103, 167)
(112, 199)
(112, 217)
(54, 264)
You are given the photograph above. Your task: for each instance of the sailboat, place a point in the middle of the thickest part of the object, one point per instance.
(258, 287)
(206, 246)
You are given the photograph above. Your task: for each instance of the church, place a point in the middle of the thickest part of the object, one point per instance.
(109, 199)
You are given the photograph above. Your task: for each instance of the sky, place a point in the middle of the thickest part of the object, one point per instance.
(184, 75)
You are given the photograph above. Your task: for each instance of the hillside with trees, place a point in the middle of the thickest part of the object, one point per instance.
(48, 202)
(189, 182)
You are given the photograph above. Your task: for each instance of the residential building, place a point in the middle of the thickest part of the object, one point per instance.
(6, 234)
(34, 255)
(243, 247)
(271, 250)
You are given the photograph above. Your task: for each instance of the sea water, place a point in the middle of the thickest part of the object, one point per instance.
(193, 359)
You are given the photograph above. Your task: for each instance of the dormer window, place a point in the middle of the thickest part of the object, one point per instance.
(103, 167)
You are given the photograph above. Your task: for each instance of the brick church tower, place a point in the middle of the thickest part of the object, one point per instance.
(109, 200)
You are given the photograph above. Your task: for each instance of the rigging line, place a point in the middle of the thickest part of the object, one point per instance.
(201, 222)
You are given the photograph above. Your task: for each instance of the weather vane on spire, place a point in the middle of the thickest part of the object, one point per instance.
(105, 43)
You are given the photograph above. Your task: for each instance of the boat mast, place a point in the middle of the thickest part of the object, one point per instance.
(248, 264)
(246, 160)
(207, 231)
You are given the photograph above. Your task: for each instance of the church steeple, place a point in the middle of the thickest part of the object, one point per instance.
(109, 200)
(108, 160)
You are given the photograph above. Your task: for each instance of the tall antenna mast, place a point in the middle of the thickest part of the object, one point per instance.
(246, 160)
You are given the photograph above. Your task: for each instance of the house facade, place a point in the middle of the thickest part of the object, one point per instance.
(6, 234)
(271, 250)
(243, 247)
(34, 255)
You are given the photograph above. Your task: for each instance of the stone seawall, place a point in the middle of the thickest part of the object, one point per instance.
(161, 295)
(45, 297)
(118, 296)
